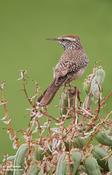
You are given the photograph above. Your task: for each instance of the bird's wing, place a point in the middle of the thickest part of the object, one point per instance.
(70, 62)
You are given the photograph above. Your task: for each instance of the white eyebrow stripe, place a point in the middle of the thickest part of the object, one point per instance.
(69, 38)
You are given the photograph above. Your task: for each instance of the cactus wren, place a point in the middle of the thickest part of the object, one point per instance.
(70, 66)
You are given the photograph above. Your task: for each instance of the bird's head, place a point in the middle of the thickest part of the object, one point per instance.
(68, 41)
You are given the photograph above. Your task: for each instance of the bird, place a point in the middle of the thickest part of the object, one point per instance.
(70, 66)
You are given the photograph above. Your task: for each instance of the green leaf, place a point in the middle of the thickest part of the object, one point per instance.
(61, 165)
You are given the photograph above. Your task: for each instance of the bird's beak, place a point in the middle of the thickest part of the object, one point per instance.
(53, 39)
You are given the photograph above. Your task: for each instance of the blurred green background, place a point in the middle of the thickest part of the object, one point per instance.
(24, 26)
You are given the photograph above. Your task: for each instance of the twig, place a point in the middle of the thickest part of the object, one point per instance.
(34, 106)
(10, 130)
(102, 103)
(94, 119)
(49, 116)
(26, 94)
(96, 129)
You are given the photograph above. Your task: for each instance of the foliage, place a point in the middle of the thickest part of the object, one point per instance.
(77, 142)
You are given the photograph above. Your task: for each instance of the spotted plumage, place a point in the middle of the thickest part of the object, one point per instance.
(70, 66)
(70, 62)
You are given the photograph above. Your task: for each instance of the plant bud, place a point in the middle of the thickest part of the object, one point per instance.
(96, 83)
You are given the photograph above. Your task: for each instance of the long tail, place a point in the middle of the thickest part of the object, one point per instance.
(49, 93)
